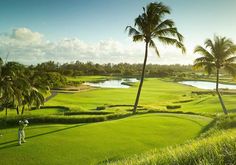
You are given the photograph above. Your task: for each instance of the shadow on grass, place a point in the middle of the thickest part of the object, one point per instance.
(208, 126)
(183, 118)
(37, 135)
(172, 115)
(232, 110)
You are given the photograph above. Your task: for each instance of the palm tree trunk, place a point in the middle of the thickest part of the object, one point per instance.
(6, 110)
(141, 80)
(22, 111)
(218, 93)
(17, 110)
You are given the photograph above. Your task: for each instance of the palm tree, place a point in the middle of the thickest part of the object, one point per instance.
(19, 83)
(6, 85)
(150, 25)
(36, 98)
(218, 54)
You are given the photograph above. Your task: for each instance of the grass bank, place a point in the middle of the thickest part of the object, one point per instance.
(217, 146)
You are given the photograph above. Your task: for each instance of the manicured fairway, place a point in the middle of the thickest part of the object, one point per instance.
(156, 93)
(94, 143)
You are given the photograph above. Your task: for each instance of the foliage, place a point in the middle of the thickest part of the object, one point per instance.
(221, 55)
(173, 106)
(20, 86)
(149, 26)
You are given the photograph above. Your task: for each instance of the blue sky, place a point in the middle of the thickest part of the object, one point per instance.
(91, 24)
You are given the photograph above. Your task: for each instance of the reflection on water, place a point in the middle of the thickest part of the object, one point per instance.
(113, 83)
(207, 85)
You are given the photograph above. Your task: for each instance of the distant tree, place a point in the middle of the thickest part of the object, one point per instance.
(149, 26)
(217, 54)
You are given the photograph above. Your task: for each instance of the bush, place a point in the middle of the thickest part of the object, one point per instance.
(12, 121)
(48, 107)
(86, 113)
(101, 108)
(127, 83)
(173, 106)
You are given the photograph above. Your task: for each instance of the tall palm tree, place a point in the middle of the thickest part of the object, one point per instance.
(218, 54)
(151, 25)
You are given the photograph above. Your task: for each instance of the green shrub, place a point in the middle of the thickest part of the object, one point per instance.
(12, 121)
(48, 107)
(128, 83)
(184, 101)
(100, 108)
(87, 113)
(173, 106)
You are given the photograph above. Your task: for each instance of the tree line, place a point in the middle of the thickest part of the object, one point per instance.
(78, 68)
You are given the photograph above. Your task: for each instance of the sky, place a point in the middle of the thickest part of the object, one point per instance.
(34, 31)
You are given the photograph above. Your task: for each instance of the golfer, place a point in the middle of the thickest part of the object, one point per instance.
(21, 132)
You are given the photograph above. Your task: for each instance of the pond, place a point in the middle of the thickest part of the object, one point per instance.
(207, 85)
(113, 83)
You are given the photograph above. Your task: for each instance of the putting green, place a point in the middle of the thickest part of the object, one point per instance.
(97, 142)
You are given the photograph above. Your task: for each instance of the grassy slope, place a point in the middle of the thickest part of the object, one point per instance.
(93, 143)
(156, 93)
(217, 146)
(218, 149)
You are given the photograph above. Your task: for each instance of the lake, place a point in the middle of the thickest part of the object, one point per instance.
(113, 83)
(207, 85)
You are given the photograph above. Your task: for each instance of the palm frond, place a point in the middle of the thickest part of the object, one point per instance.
(132, 31)
(138, 38)
(230, 68)
(230, 60)
(160, 8)
(153, 45)
(165, 24)
(172, 41)
(208, 67)
(204, 52)
(203, 59)
(230, 50)
(209, 44)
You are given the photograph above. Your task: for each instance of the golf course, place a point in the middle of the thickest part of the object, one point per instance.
(117, 82)
(111, 140)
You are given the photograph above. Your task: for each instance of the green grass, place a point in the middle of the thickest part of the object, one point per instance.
(218, 149)
(81, 79)
(98, 142)
(216, 146)
(117, 139)
(156, 94)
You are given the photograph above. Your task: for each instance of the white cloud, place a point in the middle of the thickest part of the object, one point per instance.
(26, 35)
(30, 47)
